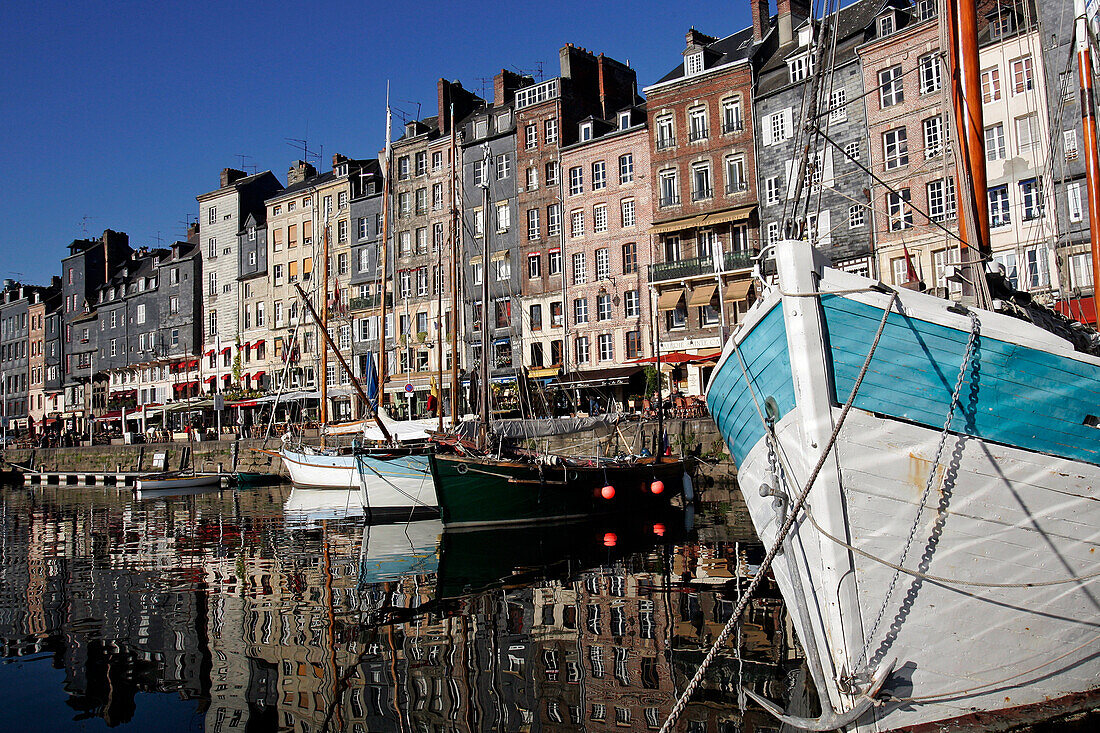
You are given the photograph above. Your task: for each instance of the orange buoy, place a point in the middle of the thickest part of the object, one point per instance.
(610, 539)
(608, 492)
(659, 530)
(657, 486)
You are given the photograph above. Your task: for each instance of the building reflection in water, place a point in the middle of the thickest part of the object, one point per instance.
(306, 621)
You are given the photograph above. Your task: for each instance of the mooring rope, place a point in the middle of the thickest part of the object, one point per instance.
(792, 515)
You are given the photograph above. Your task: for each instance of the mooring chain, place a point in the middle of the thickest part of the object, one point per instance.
(975, 328)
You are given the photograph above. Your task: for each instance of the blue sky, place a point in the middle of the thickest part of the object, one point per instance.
(123, 112)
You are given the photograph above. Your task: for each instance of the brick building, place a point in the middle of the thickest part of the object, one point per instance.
(705, 226)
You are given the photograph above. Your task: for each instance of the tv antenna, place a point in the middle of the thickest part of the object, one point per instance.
(302, 146)
(84, 223)
(245, 166)
(157, 237)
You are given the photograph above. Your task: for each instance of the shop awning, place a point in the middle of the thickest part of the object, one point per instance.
(209, 379)
(210, 353)
(610, 377)
(113, 415)
(669, 299)
(543, 372)
(688, 222)
(737, 290)
(702, 295)
(259, 374)
(226, 349)
(741, 213)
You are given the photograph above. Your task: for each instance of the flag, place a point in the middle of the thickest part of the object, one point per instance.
(910, 271)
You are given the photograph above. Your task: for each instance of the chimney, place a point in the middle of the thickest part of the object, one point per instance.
(299, 171)
(229, 175)
(789, 13)
(505, 85)
(695, 38)
(337, 159)
(761, 18)
(193, 233)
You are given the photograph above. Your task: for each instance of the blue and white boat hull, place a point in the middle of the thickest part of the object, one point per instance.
(1013, 499)
(401, 481)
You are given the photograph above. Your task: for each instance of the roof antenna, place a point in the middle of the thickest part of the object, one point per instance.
(244, 166)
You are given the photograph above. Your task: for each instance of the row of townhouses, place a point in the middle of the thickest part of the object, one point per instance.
(607, 218)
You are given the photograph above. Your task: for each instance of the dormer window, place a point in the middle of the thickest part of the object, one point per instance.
(926, 9)
(252, 234)
(624, 120)
(805, 35)
(693, 63)
(342, 170)
(1001, 25)
(586, 131)
(886, 25)
(800, 67)
(481, 128)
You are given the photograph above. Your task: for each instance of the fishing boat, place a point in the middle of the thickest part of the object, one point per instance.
(926, 474)
(395, 479)
(173, 482)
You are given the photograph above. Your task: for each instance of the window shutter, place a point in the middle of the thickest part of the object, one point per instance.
(788, 130)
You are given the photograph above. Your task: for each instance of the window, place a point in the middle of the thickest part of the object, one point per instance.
(1031, 195)
(342, 230)
(599, 218)
(580, 269)
(898, 212)
(891, 90)
(504, 217)
(403, 167)
(731, 115)
(502, 268)
(437, 160)
(1069, 144)
(576, 223)
(531, 178)
(735, 174)
(677, 317)
(361, 228)
(535, 317)
(999, 211)
(479, 224)
(991, 84)
(700, 182)
(669, 188)
(437, 196)
(341, 197)
(626, 209)
(531, 136)
(404, 242)
(799, 67)
(851, 151)
(1027, 133)
(504, 166)
(213, 214)
(1080, 271)
(926, 9)
(941, 199)
(624, 120)
(585, 131)
(342, 263)
(534, 266)
(666, 136)
(1022, 76)
(212, 279)
(855, 217)
(772, 190)
(1007, 260)
(672, 248)
(995, 142)
(580, 346)
(603, 263)
(626, 168)
(895, 148)
(557, 320)
(552, 173)
(777, 127)
(1073, 202)
(838, 109)
(693, 63)
(933, 136)
(212, 248)
(576, 180)
(550, 128)
(930, 77)
(580, 310)
(553, 261)
(533, 231)
(1035, 271)
(405, 283)
(211, 325)
(697, 124)
(174, 304)
(607, 346)
(260, 314)
(599, 175)
(886, 25)
(475, 269)
(630, 258)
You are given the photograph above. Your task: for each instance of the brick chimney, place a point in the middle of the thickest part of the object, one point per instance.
(789, 13)
(299, 171)
(505, 85)
(696, 39)
(193, 232)
(337, 159)
(451, 92)
(761, 18)
(229, 175)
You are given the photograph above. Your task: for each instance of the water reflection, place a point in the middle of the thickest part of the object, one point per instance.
(277, 609)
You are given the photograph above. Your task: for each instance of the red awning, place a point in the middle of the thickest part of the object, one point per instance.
(226, 377)
(114, 415)
(258, 343)
(246, 345)
(246, 376)
(193, 364)
(675, 357)
(227, 349)
(208, 380)
(1079, 309)
(210, 353)
(257, 375)
(244, 403)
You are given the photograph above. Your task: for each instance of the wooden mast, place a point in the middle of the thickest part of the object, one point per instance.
(483, 433)
(384, 256)
(324, 329)
(1088, 125)
(454, 271)
(973, 198)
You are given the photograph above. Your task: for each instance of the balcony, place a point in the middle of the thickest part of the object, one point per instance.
(730, 126)
(699, 266)
(698, 134)
(664, 143)
(737, 187)
(371, 301)
(702, 194)
(670, 200)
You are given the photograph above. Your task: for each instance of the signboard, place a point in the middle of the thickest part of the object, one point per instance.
(219, 402)
(409, 388)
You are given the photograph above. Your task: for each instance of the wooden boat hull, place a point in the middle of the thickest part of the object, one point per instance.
(475, 491)
(167, 485)
(1013, 503)
(396, 481)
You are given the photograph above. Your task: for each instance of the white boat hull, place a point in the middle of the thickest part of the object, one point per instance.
(178, 483)
(402, 482)
(969, 629)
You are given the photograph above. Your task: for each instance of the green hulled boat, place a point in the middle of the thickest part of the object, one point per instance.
(484, 491)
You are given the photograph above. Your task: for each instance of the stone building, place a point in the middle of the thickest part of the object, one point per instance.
(45, 396)
(549, 116)
(424, 185)
(365, 284)
(254, 284)
(488, 138)
(833, 210)
(222, 216)
(705, 227)
(22, 327)
(607, 254)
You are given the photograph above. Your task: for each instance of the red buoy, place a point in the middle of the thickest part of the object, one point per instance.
(659, 530)
(610, 539)
(657, 486)
(608, 492)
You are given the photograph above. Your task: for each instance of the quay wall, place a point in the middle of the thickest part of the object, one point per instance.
(685, 435)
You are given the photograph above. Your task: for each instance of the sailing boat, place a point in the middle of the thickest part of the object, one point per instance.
(926, 473)
(478, 487)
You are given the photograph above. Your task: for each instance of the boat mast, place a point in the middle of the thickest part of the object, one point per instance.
(454, 274)
(1088, 125)
(386, 183)
(962, 20)
(324, 328)
(483, 433)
